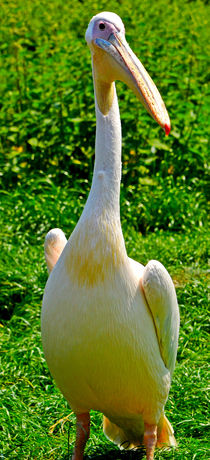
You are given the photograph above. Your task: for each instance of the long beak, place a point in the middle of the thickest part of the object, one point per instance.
(132, 72)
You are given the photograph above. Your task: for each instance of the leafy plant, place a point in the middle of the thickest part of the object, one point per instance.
(47, 118)
(47, 135)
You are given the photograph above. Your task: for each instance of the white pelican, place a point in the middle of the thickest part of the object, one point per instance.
(109, 325)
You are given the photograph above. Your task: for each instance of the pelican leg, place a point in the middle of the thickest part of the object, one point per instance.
(150, 440)
(83, 431)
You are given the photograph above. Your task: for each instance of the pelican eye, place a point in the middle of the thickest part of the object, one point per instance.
(102, 26)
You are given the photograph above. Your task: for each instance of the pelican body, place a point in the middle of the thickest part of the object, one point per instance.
(109, 324)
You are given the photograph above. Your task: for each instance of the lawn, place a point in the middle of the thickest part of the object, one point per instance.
(47, 130)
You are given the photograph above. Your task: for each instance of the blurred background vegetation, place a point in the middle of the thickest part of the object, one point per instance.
(47, 136)
(47, 117)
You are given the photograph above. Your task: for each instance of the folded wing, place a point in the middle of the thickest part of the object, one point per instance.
(161, 298)
(55, 241)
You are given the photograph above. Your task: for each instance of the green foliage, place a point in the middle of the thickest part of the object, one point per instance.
(47, 133)
(47, 118)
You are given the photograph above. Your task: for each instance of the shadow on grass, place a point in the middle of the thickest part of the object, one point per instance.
(117, 455)
(113, 454)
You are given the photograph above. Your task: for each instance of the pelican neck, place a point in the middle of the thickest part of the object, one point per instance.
(105, 190)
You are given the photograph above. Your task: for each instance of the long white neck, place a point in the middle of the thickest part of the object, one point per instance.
(104, 195)
(97, 244)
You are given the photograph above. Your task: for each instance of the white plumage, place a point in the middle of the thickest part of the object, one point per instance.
(109, 325)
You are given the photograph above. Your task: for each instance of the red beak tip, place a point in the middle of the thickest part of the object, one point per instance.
(167, 129)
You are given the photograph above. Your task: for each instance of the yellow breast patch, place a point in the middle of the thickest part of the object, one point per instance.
(91, 258)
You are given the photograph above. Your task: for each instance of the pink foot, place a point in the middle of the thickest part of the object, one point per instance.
(150, 439)
(83, 432)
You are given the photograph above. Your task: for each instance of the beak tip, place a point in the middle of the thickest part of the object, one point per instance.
(167, 128)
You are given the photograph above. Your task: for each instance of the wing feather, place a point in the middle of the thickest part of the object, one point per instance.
(161, 297)
(55, 241)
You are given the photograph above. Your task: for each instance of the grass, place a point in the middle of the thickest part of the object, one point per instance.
(47, 117)
(35, 419)
(47, 129)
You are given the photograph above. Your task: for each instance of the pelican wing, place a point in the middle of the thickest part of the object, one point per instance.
(55, 241)
(161, 298)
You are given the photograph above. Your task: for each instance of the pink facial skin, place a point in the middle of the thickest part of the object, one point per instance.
(103, 29)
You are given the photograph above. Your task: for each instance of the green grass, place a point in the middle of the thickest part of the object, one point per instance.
(47, 117)
(30, 402)
(47, 130)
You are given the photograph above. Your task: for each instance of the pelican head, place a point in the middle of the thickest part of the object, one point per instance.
(113, 60)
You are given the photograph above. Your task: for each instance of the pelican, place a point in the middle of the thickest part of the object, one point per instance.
(110, 325)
